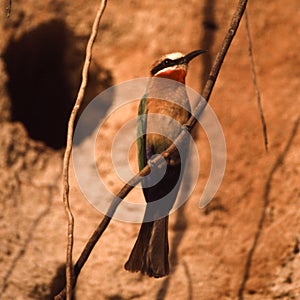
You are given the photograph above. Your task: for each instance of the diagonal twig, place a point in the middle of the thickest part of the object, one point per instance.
(241, 6)
(254, 79)
(68, 151)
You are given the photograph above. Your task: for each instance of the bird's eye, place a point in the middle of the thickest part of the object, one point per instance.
(167, 62)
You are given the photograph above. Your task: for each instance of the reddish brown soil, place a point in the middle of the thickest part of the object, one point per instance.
(245, 244)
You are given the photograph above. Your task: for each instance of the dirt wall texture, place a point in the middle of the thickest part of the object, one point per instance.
(245, 244)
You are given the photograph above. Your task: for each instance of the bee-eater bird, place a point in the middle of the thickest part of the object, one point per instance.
(151, 250)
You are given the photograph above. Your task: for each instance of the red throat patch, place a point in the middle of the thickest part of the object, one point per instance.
(176, 74)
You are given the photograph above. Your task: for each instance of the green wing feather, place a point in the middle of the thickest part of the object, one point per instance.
(141, 132)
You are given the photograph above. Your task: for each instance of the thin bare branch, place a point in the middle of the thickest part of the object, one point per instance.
(214, 72)
(254, 79)
(67, 154)
(189, 126)
(102, 226)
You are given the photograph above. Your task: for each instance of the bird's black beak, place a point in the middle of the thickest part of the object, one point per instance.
(190, 56)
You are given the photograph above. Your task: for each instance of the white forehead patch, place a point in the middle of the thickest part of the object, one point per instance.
(174, 55)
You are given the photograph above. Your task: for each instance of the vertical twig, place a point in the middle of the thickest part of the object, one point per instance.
(67, 154)
(254, 79)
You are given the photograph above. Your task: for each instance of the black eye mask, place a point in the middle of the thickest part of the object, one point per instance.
(168, 63)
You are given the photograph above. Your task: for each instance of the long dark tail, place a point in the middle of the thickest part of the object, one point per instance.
(150, 252)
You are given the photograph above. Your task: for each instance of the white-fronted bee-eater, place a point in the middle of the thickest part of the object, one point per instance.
(169, 104)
